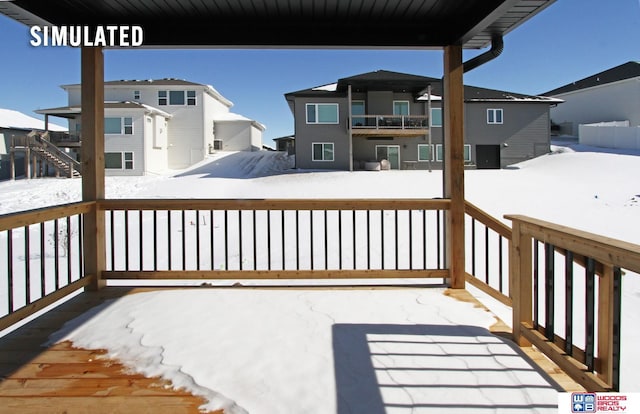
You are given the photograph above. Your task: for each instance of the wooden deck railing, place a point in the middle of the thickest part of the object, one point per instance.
(487, 258)
(41, 256)
(566, 290)
(274, 239)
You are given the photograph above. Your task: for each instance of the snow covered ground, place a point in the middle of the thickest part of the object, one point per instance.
(351, 351)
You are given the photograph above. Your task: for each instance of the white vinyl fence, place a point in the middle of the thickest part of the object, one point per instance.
(610, 135)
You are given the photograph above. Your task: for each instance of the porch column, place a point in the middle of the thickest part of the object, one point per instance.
(92, 157)
(454, 163)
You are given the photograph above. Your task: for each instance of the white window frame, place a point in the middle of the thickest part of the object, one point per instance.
(190, 99)
(313, 153)
(493, 112)
(136, 95)
(430, 152)
(466, 153)
(123, 125)
(401, 101)
(163, 98)
(317, 121)
(123, 160)
(431, 117)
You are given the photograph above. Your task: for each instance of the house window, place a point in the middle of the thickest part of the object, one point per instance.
(191, 98)
(322, 113)
(176, 97)
(136, 95)
(118, 126)
(322, 151)
(162, 97)
(357, 108)
(425, 152)
(401, 107)
(440, 153)
(494, 116)
(436, 117)
(116, 160)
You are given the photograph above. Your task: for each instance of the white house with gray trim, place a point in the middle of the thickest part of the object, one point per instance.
(358, 121)
(155, 125)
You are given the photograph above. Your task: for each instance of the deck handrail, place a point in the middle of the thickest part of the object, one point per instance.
(533, 286)
(381, 121)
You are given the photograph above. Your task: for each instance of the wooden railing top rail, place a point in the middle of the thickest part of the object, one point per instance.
(488, 220)
(275, 204)
(603, 249)
(40, 215)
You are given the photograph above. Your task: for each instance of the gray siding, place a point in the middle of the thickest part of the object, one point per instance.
(307, 134)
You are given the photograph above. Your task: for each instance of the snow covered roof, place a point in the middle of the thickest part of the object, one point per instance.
(73, 111)
(231, 117)
(17, 120)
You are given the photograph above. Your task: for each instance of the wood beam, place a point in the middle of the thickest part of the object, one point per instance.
(92, 90)
(454, 163)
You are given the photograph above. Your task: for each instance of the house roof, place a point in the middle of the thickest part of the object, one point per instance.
(383, 80)
(17, 120)
(285, 23)
(73, 111)
(233, 117)
(162, 82)
(625, 71)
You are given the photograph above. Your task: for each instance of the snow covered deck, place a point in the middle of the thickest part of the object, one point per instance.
(321, 350)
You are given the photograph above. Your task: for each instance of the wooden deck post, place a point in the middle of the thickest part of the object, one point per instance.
(92, 90)
(605, 324)
(454, 163)
(520, 281)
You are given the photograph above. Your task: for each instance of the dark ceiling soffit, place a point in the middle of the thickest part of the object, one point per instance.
(465, 29)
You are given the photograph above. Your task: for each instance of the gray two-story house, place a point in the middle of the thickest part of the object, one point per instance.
(363, 119)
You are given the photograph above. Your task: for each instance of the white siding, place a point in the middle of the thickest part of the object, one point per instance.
(127, 143)
(619, 101)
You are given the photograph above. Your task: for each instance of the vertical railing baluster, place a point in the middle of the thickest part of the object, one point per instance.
(438, 247)
(112, 243)
(197, 239)
(535, 284)
(27, 265)
(549, 265)
(226, 240)
(473, 247)
(617, 325)
(68, 242)
(126, 240)
(500, 265)
(43, 290)
(590, 275)
(155, 239)
(255, 250)
(80, 245)
(184, 241)
(140, 229)
(240, 258)
(568, 302)
(424, 239)
(486, 254)
(326, 242)
(169, 238)
(268, 239)
(353, 228)
(382, 239)
(10, 268)
(56, 254)
(339, 239)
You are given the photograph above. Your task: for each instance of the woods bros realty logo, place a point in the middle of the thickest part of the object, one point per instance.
(77, 36)
(591, 402)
